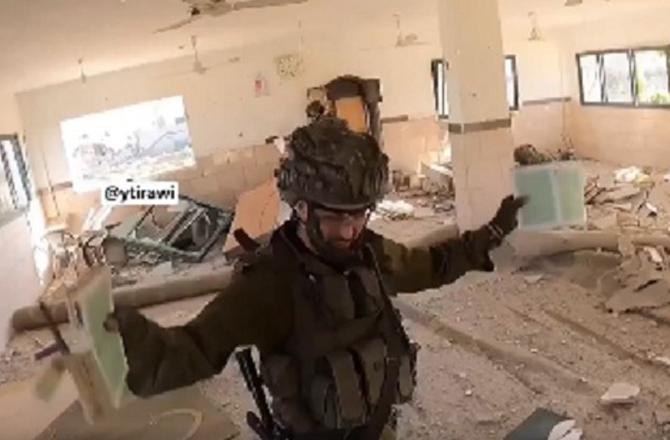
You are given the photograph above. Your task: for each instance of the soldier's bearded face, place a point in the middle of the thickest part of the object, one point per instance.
(341, 229)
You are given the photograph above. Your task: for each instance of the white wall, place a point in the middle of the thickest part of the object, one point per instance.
(10, 122)
(223, 111)
(539, 68)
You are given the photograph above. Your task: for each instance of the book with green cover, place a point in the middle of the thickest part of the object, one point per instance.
(555, 194)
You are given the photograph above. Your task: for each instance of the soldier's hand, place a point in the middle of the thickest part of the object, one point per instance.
(505, 220)
(131, 326)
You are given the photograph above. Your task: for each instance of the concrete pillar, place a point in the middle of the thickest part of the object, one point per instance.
(479, 117)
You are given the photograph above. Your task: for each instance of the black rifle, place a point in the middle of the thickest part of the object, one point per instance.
(265, 426)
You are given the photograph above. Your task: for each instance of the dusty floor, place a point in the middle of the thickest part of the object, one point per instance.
(494, 348)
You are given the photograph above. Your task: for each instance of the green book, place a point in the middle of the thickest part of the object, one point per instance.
(555, 192)
(98, 365)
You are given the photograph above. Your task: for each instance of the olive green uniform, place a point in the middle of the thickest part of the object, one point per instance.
(256, 307)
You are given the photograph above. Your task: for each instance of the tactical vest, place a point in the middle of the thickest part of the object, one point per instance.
(330, 372)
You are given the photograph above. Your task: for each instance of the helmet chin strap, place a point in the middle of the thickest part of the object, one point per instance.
(324, 249)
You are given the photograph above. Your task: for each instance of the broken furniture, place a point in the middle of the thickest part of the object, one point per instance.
(258, 212)
(354, 99)
(186, 232)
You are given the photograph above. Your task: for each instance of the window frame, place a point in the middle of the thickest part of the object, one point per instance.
(25, 186)
(630, 53)
(437, 62)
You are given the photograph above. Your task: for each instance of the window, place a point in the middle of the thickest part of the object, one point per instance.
(512, 82)
(440, 85)
(14, 181)
(136, 141)
(651, 79)
(618, 78)
(592, 90)
(634, 77)
(440, 88)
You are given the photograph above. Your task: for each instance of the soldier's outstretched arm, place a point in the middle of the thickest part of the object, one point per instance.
(416, 269)
(246, 312)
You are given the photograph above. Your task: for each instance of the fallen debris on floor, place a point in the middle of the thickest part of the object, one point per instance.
(395, 210)
(527, 154)
(626, 198)
(183, 233)
(620, 394)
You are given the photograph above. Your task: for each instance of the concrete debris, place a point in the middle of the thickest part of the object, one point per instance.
(438, 178)
(639, 197)
(620, 394)
(395, 210)
(629, 175)
(663, 360)
(654, 255)
(655, 294)
(533, 279)
(162, 270)
(610, 221)
(620, 193)
(527, 154)
(662, 416)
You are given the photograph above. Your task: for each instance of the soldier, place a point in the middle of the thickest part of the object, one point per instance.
(315, 300)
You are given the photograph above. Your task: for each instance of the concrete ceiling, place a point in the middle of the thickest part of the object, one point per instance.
(43, 40)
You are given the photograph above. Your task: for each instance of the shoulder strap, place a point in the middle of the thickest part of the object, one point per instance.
(397, 343)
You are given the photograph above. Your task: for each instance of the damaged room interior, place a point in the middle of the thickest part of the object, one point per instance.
(190, 105)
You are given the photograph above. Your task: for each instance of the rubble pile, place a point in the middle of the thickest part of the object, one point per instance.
(627, 199)
(641, 282)
(432, 190)
(529, 155)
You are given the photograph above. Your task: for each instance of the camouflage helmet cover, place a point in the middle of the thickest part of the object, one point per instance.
(330, 165)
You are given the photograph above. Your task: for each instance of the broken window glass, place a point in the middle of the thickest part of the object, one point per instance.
(651, 79)
(618, 78)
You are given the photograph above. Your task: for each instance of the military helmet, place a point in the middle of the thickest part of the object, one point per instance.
(328, 164)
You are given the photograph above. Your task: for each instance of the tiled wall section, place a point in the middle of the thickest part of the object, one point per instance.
(624, 136)
(217, 179)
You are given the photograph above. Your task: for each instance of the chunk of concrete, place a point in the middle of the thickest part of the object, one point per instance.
(655, 294)
(662, 416)
(620, 394)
